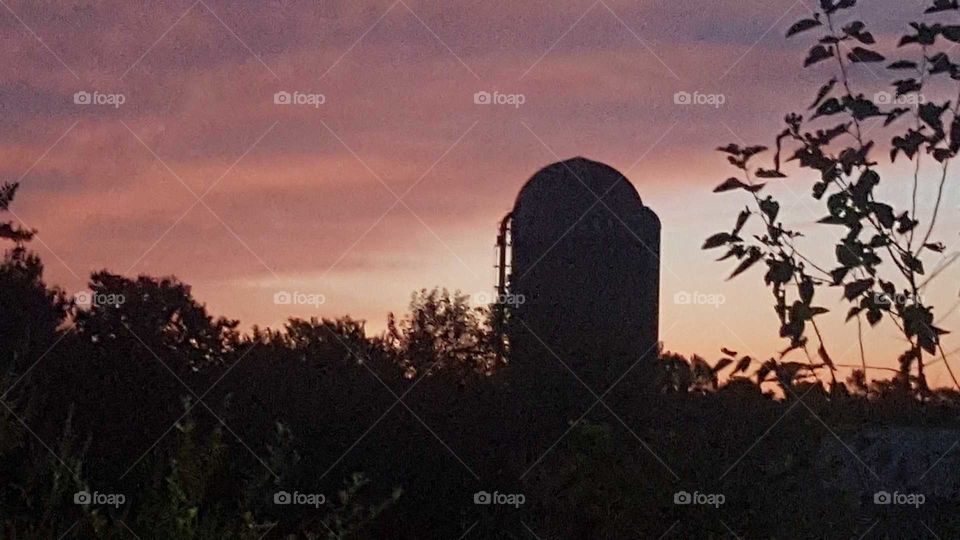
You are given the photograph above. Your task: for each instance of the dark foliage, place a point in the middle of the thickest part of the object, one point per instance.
(883, 254)
(199, 428)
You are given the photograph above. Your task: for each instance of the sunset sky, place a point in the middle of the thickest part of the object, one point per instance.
(398, 179)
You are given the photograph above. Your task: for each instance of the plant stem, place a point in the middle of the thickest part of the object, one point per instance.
(916, 169)
(946, 363)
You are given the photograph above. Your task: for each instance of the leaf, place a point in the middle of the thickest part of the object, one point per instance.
(856, 31)
(907, 86)
(856, 288)
(771, 208)
(938, 247)
(823, 92)
(903, 64)
(806, 290)
(951, 32)
(741, 221)
(861, 107)
(724, 362)
(940, 63)
(766, 173)
(942, 154)
(942, 5)
(838, 274)
(728, 352)
(861, 55)
(736, 250)
(828, 108)
(906, 223)
(955, 134)
(931, 115)
(888, 287)
(847, 256)
(752, 258)
(743, 365)
(894, 114)
(906, 40)
(788, 371)
(884, 213)
(851, 158)
(753, 150)
(819, 189)
(913, 263)
(16, 233)
(729, 184)
(717, 240)
(765, 370)
(803, 25)
(926, 34)
(880, 241)
(7, 191)
(825, 356)
(832, 220)
(779, 272)
(731, 149)
(818, 53)
(909, 145)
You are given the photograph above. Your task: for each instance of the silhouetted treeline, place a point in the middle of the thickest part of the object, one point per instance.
(199, 426)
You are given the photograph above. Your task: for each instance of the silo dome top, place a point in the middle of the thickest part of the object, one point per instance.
(575, 185)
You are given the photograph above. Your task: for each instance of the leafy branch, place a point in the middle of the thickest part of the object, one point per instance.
(877, 237)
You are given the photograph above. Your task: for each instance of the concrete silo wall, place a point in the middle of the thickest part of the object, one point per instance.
(588, 270)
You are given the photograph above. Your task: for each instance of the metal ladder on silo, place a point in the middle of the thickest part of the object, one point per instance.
(504, 242)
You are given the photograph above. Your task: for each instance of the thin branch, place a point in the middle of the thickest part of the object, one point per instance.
(946, 363)
(916, 169)
(866, 367)
(863, 356)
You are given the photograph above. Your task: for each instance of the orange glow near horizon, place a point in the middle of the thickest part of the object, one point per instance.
(398, 179)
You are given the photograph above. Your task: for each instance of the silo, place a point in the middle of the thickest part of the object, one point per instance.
(585, 263)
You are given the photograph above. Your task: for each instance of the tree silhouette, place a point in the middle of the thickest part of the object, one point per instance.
(883, 257)
(442, 331)
(160, 313)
